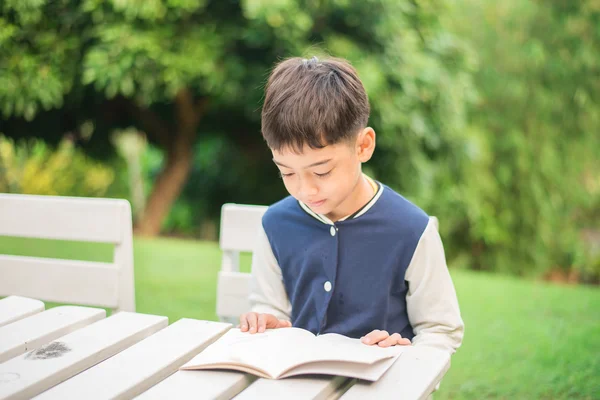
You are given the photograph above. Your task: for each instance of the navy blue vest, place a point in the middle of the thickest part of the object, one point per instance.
(362, 263)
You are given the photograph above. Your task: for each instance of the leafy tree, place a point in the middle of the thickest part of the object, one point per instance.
(187, 69)
(536, 126)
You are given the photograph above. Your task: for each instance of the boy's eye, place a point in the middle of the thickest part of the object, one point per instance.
(323, 175)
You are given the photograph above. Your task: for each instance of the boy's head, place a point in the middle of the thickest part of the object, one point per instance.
(314, 120)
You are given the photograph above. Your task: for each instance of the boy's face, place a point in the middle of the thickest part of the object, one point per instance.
(328, 180)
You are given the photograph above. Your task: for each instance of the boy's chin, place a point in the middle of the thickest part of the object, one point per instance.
(324, 210)
(321, 210)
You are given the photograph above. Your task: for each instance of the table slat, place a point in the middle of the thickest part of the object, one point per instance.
(217, 385)
(32, 373)
(14, 308)
(141, 366)
(37, 330)
(413, 376)
(298, 387)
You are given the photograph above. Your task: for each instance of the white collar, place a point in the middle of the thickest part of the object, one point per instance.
(322, 218)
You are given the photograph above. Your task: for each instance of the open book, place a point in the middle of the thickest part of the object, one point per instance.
(280, 353)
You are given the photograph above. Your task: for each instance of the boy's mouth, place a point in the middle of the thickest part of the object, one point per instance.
(315, 203)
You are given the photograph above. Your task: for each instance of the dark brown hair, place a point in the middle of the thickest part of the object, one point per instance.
(313, 102)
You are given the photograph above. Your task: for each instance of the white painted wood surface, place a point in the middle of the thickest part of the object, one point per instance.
(131, 354)
(77, 219)
(141, 366)
(295, 388)
(33, 332)
(239, 226)
(413, 376)
(63, 218)
(233, 290)
(217, 385)
(14, 308)
(34, 372)
(62, 281)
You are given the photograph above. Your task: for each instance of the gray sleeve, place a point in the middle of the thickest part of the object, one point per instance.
(432, 304)
(267, 292)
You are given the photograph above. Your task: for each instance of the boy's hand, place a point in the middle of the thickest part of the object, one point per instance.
(384, 339)
(253, 322)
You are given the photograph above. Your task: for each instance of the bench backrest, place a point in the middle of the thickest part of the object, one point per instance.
(239, 228)
(109, 285)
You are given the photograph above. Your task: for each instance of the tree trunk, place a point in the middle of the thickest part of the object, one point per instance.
(166, 189)
(178, 163)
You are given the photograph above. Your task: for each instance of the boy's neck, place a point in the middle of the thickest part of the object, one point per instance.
(360, 196)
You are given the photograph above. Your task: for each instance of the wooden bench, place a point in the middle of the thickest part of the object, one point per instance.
(109, 285)
(32, 373)
(14, 308)
(31, 333)
(75, 352)
(239, 229)
(139, 367)
(130, 354)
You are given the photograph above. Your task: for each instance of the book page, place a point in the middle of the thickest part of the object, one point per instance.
(334, 347)
(370, 372)
(271, 352)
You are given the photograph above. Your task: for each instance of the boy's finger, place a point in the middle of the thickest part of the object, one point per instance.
(404, 341)
(252, 321)
(282, 323)
(375, 337)
(262, 322)
(243, 323)
(391, 341)
(271, 321)
(368, 337)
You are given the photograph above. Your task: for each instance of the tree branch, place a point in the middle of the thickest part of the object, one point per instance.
(201, 105)
(151, 123)
(189, 113)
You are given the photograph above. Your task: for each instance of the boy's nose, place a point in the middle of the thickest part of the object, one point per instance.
(307, 189)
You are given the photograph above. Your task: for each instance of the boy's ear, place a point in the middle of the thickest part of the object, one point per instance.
(365, 144)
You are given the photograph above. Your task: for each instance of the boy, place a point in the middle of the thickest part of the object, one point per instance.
(343, 253)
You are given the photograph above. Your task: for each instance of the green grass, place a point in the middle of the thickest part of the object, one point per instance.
(523, 340)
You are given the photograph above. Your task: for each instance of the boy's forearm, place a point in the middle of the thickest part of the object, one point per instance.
(267, 292)
(431, 301)
(446, 338)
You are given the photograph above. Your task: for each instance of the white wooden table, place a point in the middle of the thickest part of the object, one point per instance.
(78, 353)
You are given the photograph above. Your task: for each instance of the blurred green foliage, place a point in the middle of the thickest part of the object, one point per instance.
(535, 184)
(486, 113)
(33, 167)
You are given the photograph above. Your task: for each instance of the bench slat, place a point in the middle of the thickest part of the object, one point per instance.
(240, 224)
(413, 376)
(142, 365)
(62, 281)
(32, 373)
(14, 308)
(297, 387)
(63, 218)
(233, 291)
(39, 329)
(218, 385)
